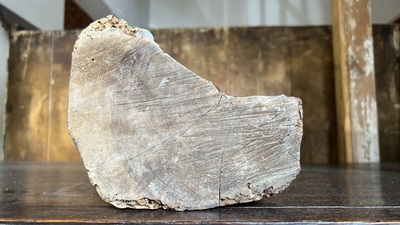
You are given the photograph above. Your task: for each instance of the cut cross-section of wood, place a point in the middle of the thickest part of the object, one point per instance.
(152, 134)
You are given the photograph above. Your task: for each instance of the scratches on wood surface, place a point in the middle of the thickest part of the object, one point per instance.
(172, 123)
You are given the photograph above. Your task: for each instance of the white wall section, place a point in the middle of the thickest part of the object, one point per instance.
(222, 13)
(43, 14)
(95, 9)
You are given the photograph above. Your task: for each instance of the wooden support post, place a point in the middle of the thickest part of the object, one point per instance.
(355, 81)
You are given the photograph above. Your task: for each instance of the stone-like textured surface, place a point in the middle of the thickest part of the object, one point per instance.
(153, 134)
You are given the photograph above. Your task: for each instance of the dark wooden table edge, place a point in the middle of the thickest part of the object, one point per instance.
(272, 214)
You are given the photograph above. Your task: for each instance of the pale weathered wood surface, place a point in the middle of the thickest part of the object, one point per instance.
(152, 134)
(355, 81)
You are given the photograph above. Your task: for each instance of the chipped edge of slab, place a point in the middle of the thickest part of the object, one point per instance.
(113, 22)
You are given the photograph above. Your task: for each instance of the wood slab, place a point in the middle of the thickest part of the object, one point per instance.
(152, 134)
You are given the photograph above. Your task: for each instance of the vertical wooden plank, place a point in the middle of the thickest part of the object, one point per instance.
(202, 51)
(27, 111)
(61, 146)
(242, 62)
(355, 81)
(312, 79)
(272, 61)
(189, 47)
(257, 62)
(387, 67)
(217, 60)
(162, 38)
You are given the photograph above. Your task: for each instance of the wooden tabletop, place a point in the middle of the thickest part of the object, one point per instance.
(61, 192)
